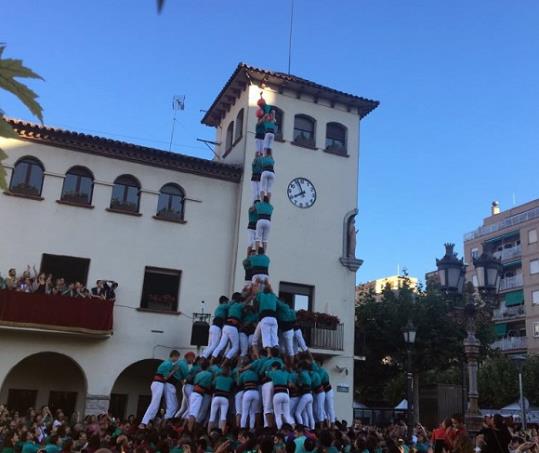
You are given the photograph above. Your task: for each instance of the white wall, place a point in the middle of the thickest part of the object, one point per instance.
(120, 246)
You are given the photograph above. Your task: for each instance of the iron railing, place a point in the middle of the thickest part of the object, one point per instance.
(324, 337)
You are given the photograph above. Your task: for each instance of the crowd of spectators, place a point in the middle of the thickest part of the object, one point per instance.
(30, 281)
(40, 431)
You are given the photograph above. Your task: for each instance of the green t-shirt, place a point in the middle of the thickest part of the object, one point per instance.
(316, 381)
(223, 383)
(266, 366)
(269, 124)
(29, 447)
(249, 318)
(284, 312)
(261, 261)
(256, 166)
(267, 162)
(51, 448)
(163, 369)
(278, 377)
(266, 302)
(183, 370)
(252, 215)
(221, 311)
(304, 379)
(248, 375)
(204, 379)
(235, 310)
(264, 208)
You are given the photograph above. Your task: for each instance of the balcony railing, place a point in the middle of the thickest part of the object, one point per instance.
(510, 343)
(324, 337)
(509, 253)
(505, 313)
(89, 317)
(511, 282)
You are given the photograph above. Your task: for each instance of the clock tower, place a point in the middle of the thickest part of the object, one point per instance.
(315, 196)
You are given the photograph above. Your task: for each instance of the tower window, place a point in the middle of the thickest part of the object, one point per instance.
(336, 138)
(304, 131)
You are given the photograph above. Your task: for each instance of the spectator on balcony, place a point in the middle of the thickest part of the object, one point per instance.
(98, 291)
(60, 286)
(11, 280)
(110, 290)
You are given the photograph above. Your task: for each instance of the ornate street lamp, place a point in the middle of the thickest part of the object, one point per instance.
(409, 333)
(451, 271)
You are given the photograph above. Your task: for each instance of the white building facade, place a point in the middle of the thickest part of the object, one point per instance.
(171, 230)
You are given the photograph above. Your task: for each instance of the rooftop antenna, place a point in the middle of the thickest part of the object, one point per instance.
(290, 35)
(178, 103)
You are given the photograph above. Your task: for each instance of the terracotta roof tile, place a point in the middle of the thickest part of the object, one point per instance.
(125, 151)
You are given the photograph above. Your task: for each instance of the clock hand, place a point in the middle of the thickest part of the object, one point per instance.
(298, 194)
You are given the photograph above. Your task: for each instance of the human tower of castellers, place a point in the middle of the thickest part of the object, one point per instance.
(270, 385)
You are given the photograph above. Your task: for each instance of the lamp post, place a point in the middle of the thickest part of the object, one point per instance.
(519, 361)
(409, 333)
(451, 272)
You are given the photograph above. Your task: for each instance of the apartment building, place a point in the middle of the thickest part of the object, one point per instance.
(512, 236)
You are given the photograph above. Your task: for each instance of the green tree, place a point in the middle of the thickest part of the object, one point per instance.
(439, 340)
(497, 379)
(10, 70)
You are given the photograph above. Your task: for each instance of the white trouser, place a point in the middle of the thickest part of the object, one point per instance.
(267, 397)
(195, 402)
(244, 344)
(268, 140)
(219, 404)
(294, 400)
(171, 400)
(215, 336)
(261, 279)
(157, 389)
(299, 342)
(257, 336)
(330, 406)
(251, 238)
(287, 342)
(319, 409)
(187, 389)
(266, 181)
(268, 327)
(229, 333)
(263, 227)
(204, 409)
(259, 142)
(255, 190)
(238, 397)
(304, 410)
(281, 408)
(249, 407)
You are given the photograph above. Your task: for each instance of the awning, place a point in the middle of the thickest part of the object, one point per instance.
(512, 263)
(514, 298)
(502, 236)
(500, 329)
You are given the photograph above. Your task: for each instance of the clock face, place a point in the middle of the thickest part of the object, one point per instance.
(301, 193)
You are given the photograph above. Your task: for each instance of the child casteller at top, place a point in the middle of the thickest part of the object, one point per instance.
(267, 123)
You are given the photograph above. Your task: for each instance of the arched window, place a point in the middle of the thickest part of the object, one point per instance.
(239, 126)
(78, 186)
(229, 136)
(279, 117)
(171, 202)
(27, 177)
(336, 138)
(125, 194)
(304, 130)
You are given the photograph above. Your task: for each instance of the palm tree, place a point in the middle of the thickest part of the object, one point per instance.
(10, 70)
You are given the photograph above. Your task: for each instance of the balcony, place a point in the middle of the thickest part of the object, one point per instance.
(510, 344)
(508, 313)
(506, 254)
(511, 282)
(55, 314)
(323, 337)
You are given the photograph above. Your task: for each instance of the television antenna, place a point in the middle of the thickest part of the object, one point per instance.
(178, 103)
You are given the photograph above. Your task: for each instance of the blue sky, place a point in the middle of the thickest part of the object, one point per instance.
(458, 83)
